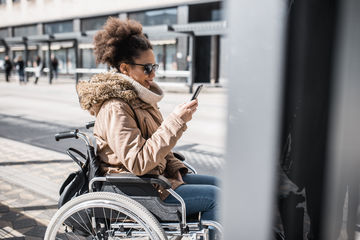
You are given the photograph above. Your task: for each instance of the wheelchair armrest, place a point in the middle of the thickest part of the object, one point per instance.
(131, 178)
(179, 156)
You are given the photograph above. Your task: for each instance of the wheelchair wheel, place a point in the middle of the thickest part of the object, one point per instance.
(104, 215)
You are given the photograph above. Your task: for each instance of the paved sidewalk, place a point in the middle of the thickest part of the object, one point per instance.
(29, 184)
(30, 176)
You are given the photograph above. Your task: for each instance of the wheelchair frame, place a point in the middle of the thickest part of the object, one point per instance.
(192, 229)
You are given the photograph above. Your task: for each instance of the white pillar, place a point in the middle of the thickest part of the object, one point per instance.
(255, 49)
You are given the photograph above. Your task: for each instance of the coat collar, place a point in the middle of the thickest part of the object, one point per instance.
(151, 96)
(104, 86)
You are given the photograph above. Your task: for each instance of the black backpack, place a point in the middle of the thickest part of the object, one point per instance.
(77, 183)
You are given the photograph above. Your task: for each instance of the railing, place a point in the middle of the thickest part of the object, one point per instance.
(159, 73)
(33, 69)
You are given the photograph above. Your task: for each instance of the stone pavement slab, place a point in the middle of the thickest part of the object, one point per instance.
(30, 178)
(34, 168)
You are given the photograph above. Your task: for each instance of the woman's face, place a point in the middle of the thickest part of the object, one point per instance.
(138, 72)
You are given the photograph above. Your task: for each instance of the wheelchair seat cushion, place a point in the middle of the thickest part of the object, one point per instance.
(148, 196)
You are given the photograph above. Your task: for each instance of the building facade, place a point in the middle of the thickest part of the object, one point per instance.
(186, 34)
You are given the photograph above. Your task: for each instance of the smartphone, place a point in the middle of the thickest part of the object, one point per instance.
(196, 93)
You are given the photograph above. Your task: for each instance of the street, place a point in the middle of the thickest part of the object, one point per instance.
(33, 165)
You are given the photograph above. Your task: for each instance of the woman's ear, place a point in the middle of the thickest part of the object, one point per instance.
(124, 68)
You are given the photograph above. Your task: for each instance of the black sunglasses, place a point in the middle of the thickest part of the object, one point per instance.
(148, 68)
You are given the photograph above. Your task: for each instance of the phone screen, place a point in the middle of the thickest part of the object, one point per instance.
(196, 93)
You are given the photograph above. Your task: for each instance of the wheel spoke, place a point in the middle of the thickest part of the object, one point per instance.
(89, 217)
(110, 217)
(87, 229)
(72, 237)
(80, 224)
(117, 217)
(107, 228)
(124, 219)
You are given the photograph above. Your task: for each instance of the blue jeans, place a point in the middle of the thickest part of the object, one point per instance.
(200, 194)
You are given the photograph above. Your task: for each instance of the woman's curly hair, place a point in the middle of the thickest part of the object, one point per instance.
(119, 41)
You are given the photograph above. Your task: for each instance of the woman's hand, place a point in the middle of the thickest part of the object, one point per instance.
(186, 110)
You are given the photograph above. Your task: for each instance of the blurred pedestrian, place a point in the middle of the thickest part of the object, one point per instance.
(20, 66)
(38, 68)
(54, 67)
(8, 67)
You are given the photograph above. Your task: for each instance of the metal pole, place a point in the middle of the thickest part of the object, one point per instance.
(192, 66)
(49, 62)
(344, 132)
(76, 60)
(26, 57)
(6, 46)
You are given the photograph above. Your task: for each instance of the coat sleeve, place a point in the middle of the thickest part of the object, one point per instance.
(124, 137)
(173, 165)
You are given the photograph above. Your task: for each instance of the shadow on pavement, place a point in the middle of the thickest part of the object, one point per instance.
(35, 162)
(16, 225)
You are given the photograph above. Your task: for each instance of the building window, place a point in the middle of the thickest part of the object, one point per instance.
(88, 58)
(2, 2)
(93, 23)
(65, 57)
(165, 55)
(205, 12)
(171, 63)
(2, 56)
(155, 17)
(4, 32)
(159, 52)
(25, 31)
(58, 27)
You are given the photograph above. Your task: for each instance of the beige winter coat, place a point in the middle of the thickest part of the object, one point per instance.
(130, 132)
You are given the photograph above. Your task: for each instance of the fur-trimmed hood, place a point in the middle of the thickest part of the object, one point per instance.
(101, 87)
(104, 86)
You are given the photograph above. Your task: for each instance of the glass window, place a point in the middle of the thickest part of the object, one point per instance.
(171, 63)
(165, 56)
(65, 57)
(61, 57)
(159, 55)
(93, 23)
(25, 31)
(2, 57)
(31, 56)
(71, 64)
(2, 2)
(58, 27)
(4, 33)
(156, 17)
(205, 12)
(16, 54)
(88, 58)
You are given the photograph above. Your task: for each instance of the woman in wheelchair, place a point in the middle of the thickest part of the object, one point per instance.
(131, 134)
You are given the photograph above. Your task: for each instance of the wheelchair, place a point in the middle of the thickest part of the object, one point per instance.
(133, 211)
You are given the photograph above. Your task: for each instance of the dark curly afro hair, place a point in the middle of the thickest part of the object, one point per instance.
(119, 41)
